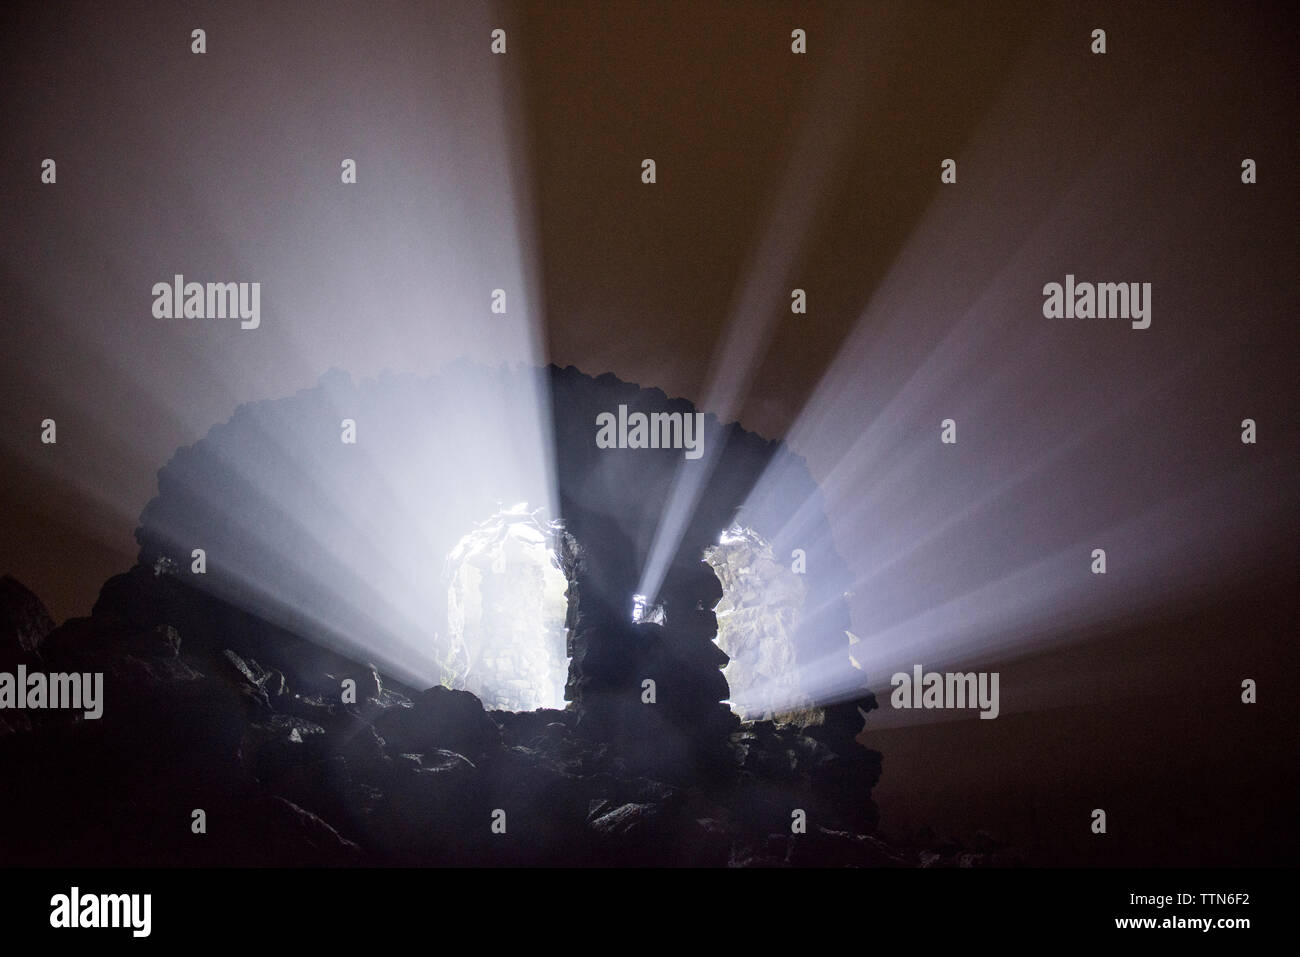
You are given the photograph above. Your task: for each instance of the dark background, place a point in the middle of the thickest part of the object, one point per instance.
(774, 171)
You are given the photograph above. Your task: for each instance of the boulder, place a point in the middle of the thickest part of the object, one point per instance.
(440, 718)
(24, 622)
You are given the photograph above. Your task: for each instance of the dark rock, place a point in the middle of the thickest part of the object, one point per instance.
(253, 673)
(369, 685)
(14, 722)
(76, 641)
(24, 622)
(288, 835)
(162, 641)
(441, 718)
(441, 762)
(950, 847)
(275, 684)
(626, 819)
(824, 847)
(842, 723)
(313, 707)
(844, 783)
(771, 851)
(253, 677)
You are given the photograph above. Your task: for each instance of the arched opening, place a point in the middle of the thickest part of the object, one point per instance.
(758, 619)
(506, 608)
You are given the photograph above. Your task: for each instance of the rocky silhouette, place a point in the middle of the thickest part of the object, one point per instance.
(251, 717)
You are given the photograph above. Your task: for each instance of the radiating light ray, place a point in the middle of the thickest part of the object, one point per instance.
(441, 215)
(961, 553)
(763, 294)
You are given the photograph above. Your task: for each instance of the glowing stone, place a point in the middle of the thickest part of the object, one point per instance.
(757, 619)
(506, 608)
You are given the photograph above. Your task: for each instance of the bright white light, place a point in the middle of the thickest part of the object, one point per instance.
(644, 611)
(758, 620)
(506, 609)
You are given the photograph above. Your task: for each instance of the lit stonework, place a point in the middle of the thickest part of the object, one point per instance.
(757, 618)
(505, 614)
